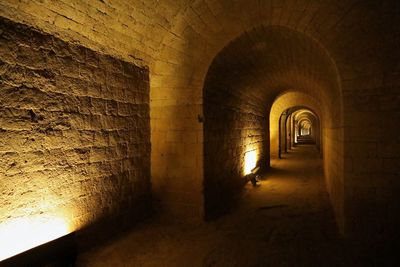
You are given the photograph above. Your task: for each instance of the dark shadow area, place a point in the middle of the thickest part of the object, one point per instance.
(221, 199)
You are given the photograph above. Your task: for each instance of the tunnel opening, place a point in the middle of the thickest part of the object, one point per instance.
(248, 98)
(298, 125)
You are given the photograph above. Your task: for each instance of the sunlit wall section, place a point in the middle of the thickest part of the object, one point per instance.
(74, 138)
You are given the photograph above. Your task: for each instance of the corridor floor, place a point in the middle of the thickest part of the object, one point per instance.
(286, 221)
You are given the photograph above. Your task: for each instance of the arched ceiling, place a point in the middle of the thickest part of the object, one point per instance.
(269, 60)
(305, 116)
(304, 112)
(294, 101)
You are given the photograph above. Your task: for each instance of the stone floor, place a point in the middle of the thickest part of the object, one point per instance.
(286, 221)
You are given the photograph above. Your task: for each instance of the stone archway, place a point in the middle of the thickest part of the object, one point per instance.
(245, 91)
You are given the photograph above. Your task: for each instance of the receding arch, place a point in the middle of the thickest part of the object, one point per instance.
(305, 118)
(289, 128)
(293, 100)
(246, 89)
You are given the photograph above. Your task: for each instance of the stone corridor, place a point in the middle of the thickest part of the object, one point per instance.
(285, 221)
(113, 112)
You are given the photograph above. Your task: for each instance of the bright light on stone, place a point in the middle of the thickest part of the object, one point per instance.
(250, 161)
(19, 235)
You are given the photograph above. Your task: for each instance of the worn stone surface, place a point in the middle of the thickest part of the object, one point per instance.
(234, 125)
(74, 130)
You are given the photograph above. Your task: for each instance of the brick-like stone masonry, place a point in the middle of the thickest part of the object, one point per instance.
(74, 130)
(234, 124)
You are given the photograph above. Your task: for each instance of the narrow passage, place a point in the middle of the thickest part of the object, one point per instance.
(286, 221)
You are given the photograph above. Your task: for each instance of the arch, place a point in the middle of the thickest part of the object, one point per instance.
(177, 79)
(188, 48)
(246, 91)
(289, 100)
(289, 127)
(308, 120)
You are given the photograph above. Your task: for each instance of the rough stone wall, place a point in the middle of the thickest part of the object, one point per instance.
(74, 131)
(371, 94)
(233, 125)
(372, 158)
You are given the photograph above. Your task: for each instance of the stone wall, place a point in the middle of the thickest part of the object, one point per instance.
(234, 125)
(231, 118)
(333, 171)
(372, 158)
(74, 131)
